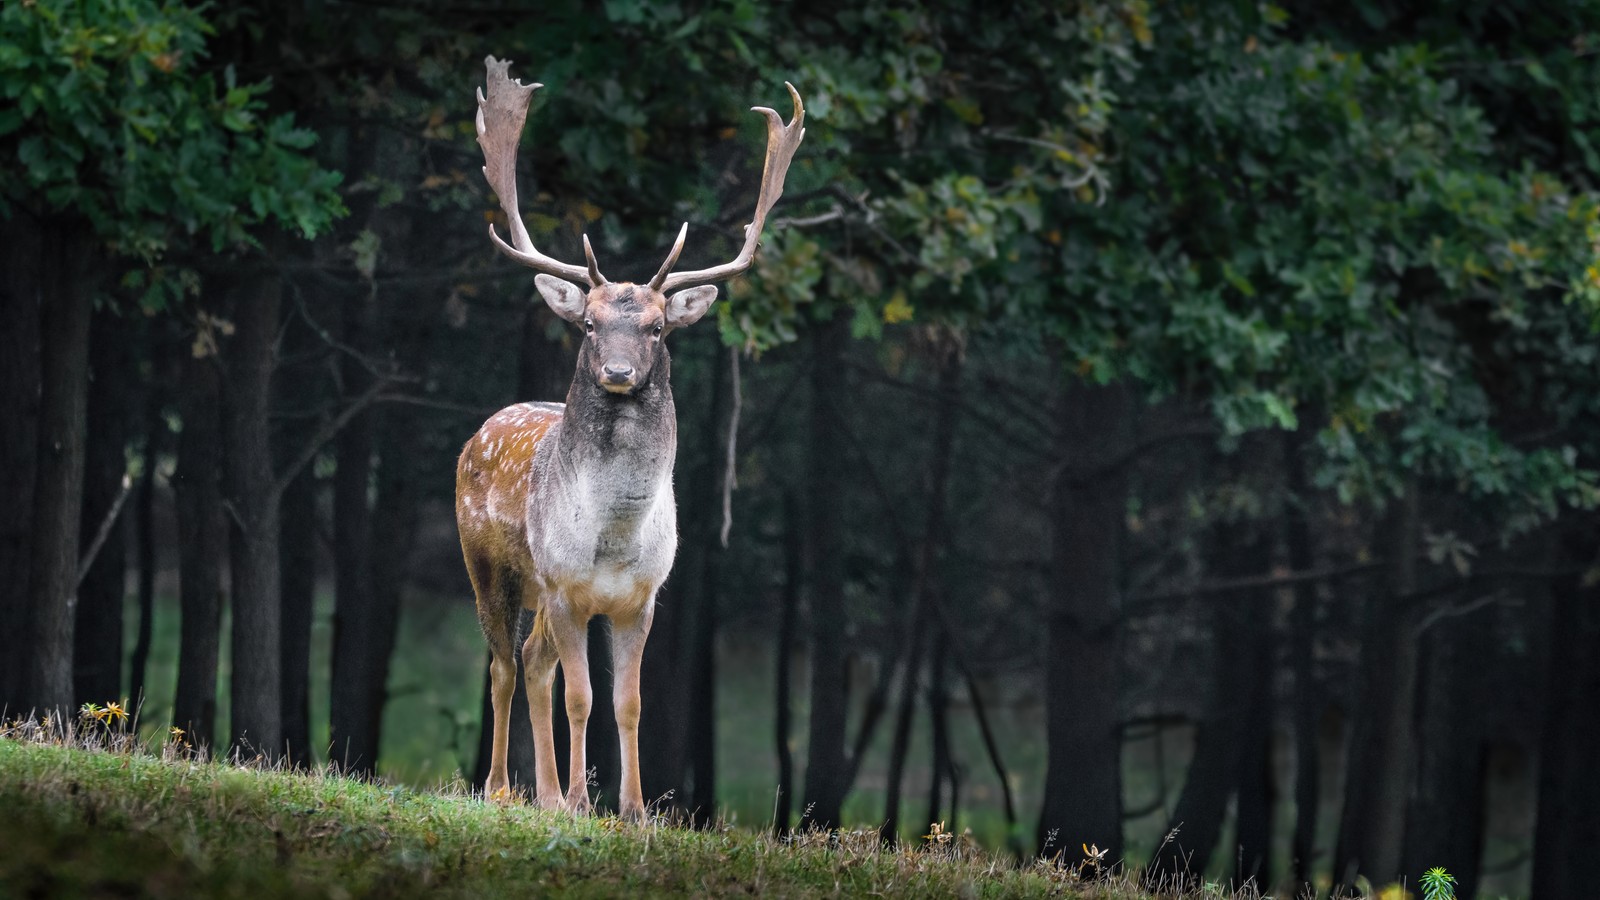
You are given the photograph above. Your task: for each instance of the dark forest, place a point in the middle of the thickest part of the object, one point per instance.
(1168, 428)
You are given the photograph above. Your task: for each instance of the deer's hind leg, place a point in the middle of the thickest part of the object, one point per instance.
(497, 613)
(539, 657)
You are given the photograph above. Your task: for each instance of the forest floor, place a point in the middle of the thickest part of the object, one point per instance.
(96, 822)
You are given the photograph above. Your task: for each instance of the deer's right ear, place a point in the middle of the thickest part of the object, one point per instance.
(565, 298)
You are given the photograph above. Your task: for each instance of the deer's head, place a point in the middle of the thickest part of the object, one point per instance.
(623, 323)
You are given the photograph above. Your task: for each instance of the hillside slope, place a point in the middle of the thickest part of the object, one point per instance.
(90, 823)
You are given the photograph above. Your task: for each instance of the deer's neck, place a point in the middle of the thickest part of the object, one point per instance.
(616, 451)
(602, 426)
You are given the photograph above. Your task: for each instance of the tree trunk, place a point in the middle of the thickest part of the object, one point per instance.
(1083, 779)
(664, 695)
(202, 542)
(393, 531)
(942, 764)
(19, 410)
(825, 758)
(900, 741)
(1444, 826)
(1568, 826)
(97, 630)
(784, 807)
(256, 698)
(1378, 776)
(1226, 755)
(353, 723)
(1308, 694)
(297, 386)
(66, 305)
(297, 562)
(705, 530)
(1252, 854)
(156, 436)
(145, 591)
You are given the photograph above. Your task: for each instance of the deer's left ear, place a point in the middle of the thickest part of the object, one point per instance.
(687, 306)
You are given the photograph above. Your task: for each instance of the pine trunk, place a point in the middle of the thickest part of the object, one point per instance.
(156, 443)
(1229, 747)
(1379, 772)
(97, 631)
(202, 543)
(297, 562)
(66, 306)
(1308, 695)
(825, 757)
(783, 810)
(1083, 778)
(1567, 830)
(1444, 826)
(19, 410)
(256, 696)
(353, 732)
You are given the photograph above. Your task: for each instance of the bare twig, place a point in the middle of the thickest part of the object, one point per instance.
(730, 478)
(1446, 612)
(326, 433)
(1147, 603)
(832, 215)
(442, 405)
(104, 532)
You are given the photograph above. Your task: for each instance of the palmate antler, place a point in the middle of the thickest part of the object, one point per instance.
(782, 141)
(501, 116)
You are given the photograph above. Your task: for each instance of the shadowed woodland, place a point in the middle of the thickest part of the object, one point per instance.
(1141, 417)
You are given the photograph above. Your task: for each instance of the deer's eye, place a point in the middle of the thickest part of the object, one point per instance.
(657, 332)
(588, 326)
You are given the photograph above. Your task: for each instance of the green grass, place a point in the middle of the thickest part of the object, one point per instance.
(90, 823)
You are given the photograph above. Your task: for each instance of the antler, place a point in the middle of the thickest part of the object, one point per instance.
(782, 141)
(501, 116)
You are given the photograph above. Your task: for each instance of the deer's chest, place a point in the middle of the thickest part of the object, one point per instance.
(609, 529)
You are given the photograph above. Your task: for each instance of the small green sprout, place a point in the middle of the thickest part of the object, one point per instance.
(1437, 884)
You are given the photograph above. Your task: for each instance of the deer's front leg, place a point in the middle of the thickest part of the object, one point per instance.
(627, 652)
(571, 634)
(539, 674)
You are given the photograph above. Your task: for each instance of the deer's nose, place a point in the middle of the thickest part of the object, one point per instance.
(617, 372)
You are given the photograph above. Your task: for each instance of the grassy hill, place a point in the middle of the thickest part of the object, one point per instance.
(78, 822)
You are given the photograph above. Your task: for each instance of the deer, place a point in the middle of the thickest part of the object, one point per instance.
(567, 509)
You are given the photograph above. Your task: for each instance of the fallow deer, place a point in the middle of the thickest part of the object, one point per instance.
(567, 509)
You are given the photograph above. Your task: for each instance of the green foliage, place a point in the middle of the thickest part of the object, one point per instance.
(1437, 884)
(1305, 223)
(112, 117)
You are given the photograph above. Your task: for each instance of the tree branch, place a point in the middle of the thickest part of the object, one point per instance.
(326, 433)
(104, 531)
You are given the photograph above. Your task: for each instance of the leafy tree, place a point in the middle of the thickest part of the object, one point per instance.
(122, 139)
